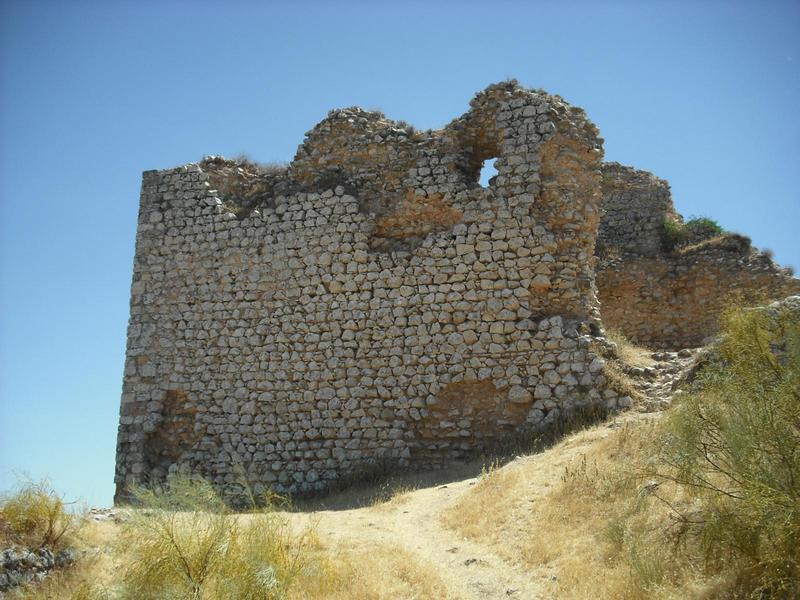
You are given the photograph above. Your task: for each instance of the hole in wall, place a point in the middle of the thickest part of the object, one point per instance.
(488, 170)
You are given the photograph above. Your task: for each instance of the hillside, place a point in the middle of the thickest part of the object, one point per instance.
(435, 535)
(696, 501)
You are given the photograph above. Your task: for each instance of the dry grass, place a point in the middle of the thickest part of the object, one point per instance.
(499, 488)
(377, 572)
(700, 504)
(562, 524)
(574, 525)
(630, 353)
(726, 242)
(391, 495)
(96, 567)
(619, 381)
(185, 544)
(370, 573)
(35, 516)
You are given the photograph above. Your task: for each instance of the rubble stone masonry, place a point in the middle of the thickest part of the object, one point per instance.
(368, 306)
(672, 298)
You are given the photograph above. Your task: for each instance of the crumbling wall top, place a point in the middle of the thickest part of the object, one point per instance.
(370, 302)
(635, 206)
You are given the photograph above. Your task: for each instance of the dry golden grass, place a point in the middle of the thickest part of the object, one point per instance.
(392, 496)
(482, 513)
(35, 516)
(96, 567)
(730, 242)
(619, 381)
(567, 523)
(696, 503)
(630, 353)
(376, 572)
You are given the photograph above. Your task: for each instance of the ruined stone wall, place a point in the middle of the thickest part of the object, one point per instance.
(671, 299)
(675, 301)
(369, 305)
(634, 208)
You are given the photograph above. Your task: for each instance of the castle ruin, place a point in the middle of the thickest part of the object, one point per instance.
(371, 304)
(667, 295)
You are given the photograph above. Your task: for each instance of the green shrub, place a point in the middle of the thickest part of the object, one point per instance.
(675, 234)
(672, 235)
(735, 447)
(183, 542)
(34, 516)
(703, 224)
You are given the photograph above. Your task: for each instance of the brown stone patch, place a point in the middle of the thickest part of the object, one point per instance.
(568, 204)
(674, 301)
(476, 406)
(174, 434)
(418, 216)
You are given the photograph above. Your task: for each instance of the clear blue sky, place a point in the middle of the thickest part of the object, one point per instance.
(706, 95)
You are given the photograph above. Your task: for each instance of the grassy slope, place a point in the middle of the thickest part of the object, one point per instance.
(702, 501)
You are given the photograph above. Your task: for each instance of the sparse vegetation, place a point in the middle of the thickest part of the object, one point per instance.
(34, 516)
(184, 542)
(700, 502)
(391, 493)
(735, 447)
(628, 352)
(496, 485)
(380, 572)
(675, 234)
(704, 503)
(241, 183)
(619, 381)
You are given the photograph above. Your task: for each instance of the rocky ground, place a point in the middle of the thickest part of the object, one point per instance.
(659, 382)
(19, 566)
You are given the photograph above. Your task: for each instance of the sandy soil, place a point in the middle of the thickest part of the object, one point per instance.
(411, 518)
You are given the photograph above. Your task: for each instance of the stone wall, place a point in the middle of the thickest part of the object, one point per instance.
(672, 299)
(635, 205)
(371, 304)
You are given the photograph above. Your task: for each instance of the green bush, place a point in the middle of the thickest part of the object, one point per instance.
(735, 447)
(34, 516)
(183, 542)
(703, 223)
(675, 234)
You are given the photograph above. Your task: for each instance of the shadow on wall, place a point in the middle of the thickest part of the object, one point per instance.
(383, 480)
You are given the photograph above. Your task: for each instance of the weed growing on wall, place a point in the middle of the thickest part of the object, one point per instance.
(675, 234)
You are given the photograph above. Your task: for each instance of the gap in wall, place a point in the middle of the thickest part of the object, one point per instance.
(488, 171)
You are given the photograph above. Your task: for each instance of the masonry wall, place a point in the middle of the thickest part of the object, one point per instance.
(371, 305)
(635, 205)
(675, 301)
(671, 299)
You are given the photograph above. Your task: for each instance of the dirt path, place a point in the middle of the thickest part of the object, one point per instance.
(412, 520)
